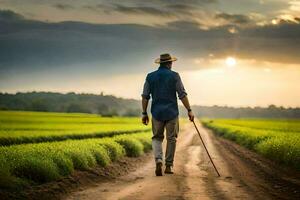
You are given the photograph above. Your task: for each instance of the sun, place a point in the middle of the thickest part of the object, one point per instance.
(230, 61)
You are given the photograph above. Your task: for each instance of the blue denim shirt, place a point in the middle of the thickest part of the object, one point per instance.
(162, 86)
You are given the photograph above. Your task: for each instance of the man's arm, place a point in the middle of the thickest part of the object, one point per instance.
(186, 104)
(182, 95)
(145, 118)
(145, 100)
(144, 104)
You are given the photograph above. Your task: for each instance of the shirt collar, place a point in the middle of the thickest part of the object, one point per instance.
(163, 67)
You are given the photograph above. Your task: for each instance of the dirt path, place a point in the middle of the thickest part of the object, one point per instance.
(244, 175)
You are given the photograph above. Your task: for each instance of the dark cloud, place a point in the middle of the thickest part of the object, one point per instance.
(95, 8)
(141, 10)
(181, 8)
(289, 21)
(62, 6)
(182, 25)
(162, 8)
(27, 45)
(166, 2)
(184, 2)
(234, 18)
(161, 11)
(8, 15)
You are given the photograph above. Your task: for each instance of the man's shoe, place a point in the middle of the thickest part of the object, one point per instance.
(158, 170)
(168, 170)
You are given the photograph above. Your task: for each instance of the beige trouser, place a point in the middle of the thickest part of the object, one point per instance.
(172, 128)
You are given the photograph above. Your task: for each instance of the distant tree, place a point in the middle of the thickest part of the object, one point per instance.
(132, 112)
(74, 107)
(39, 105)
(111, 113)
(272, 107)
(102, 109)
(2, 107)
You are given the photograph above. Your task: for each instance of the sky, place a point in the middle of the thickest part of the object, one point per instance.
(230, 52)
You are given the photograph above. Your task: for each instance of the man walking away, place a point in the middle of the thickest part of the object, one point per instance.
(162, 86)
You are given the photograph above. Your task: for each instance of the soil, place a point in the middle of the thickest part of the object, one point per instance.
(244, 175)
(79, 180)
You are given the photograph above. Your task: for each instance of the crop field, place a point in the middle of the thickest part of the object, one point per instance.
(35, 153)
(43, 162)
(278, 140)
(29, 127)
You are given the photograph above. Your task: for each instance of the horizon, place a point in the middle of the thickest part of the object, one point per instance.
(228, 53)
(104, 94)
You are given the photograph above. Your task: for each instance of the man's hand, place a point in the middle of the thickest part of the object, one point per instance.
(145, 119)
(186, 104)
(191, 116)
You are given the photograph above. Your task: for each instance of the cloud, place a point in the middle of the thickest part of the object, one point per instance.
(139, 10)
(158, 8)
(167, 2)
(142, 10)
(28, 45)
(9, 15)
(234, 18)
(182, 25)
(181, 9)
(62, 6)
(153, 12)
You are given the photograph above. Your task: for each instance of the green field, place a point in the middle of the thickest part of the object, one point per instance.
(32, 152)
(43, 162)
(17, 127)
(278, 140)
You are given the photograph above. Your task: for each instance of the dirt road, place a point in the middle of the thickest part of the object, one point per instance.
(244, 175)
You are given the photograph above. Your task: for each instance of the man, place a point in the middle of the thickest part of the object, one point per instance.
(162, 86)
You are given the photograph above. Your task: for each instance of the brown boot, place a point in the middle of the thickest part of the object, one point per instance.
(168, 170)
(158, 170)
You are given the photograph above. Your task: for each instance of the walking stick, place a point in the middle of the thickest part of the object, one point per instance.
(206, 149)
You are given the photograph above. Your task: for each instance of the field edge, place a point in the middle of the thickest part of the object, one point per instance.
(78, 179)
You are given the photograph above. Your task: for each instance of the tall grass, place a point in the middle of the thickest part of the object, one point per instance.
(18, 127)
(278, 140)
(44, 162)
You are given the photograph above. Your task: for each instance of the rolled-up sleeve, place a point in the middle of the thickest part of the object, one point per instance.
(146, 90)
(180, 88)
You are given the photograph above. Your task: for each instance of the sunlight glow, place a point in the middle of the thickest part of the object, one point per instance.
(232, 30)
(274, 21)
(230, 61)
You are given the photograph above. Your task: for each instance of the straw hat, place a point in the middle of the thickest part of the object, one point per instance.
(165, 58)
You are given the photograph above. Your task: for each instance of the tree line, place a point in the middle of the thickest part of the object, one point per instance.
(105, 105)
(109, 105)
